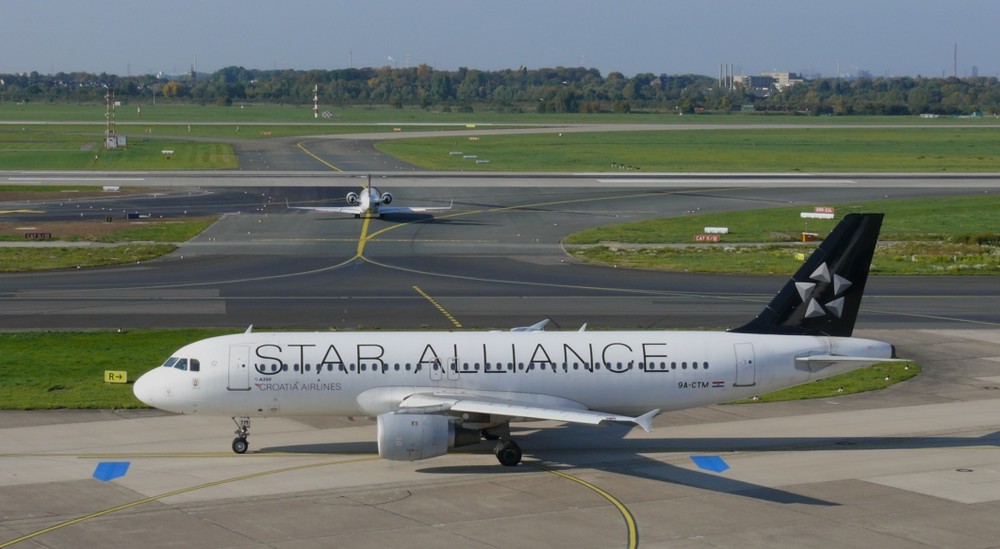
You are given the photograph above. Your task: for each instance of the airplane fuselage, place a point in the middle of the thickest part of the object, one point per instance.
(367, 374)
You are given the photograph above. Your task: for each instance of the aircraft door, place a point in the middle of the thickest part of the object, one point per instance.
(239, 368)
(446, 370)
(746, 370)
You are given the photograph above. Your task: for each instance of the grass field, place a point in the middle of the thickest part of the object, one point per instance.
(47, 370)
(59, 136)
(871, 378)
(918, 219)
(80, 148)
(19, 260)
(142, 241)
(957, 235)
(807, 150)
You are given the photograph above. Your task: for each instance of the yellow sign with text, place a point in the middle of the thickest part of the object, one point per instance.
(115, 376)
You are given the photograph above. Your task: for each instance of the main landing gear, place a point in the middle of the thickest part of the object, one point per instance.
(507, 451)
(240, 444)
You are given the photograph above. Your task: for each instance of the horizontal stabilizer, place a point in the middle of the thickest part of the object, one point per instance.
(816, 363)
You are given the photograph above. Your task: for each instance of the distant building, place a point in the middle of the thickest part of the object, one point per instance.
(768, 82)
(755, 83)
(784, 80)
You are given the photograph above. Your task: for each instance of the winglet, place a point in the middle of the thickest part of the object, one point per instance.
(646, 420)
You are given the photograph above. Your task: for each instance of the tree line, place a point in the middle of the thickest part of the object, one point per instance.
(559, 90)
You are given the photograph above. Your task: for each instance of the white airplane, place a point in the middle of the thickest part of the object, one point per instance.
(431, 391)
(371, 202)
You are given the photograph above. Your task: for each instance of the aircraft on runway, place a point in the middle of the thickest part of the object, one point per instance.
(371, 202)
(431, 391)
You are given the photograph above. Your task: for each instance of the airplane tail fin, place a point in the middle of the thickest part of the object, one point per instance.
(824, 295)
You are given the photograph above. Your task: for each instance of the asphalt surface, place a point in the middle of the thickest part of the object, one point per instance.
(913, 466)
(494, 261)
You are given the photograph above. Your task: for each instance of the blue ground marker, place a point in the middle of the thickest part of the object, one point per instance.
(710, 463)
(110, 470)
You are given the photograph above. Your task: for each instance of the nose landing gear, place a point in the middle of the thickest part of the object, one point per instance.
(240, 444)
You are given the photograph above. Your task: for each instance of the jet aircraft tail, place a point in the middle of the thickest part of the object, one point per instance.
(824, 296)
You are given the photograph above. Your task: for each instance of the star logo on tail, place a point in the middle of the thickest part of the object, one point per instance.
(807, 289)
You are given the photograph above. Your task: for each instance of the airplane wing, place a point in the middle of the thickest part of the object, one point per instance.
(511, 408)
(405, 210)
(332, 209)
(536, 327)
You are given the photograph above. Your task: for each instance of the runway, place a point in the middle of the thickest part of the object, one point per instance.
(913, 466)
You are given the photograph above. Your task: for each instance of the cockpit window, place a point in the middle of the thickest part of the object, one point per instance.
(192, 365)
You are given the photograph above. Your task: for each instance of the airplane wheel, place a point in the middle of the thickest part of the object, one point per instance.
(508, 453)
(240, 445)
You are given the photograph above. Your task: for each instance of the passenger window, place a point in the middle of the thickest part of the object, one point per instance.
(195, 365)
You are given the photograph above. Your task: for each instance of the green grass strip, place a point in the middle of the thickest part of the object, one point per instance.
(947, 235)
(49, 370)
(807, 150)
(19, 260)
(871, 378)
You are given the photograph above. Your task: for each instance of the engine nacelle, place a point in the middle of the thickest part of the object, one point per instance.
(352, 198)
(386, 198)
(409, 437)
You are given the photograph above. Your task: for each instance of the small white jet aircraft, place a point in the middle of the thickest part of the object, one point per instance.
(431, 391)
(371, 202)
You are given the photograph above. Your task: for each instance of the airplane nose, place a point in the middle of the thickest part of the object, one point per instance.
(144, 389)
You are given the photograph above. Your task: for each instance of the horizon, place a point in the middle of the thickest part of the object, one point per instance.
(881, 37)
(164, 75)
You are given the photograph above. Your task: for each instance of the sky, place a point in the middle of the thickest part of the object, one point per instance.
(131, 37)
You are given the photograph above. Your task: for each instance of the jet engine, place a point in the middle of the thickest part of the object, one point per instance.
(409, 437)
(352, 198)
(386, 198)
